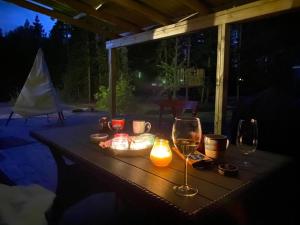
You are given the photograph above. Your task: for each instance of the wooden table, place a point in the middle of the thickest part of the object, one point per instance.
(137, 178)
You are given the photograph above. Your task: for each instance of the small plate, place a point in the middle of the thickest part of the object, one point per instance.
(97, 137)
(227, 169)
(204, 164)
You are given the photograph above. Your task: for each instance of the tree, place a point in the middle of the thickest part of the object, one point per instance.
(124, 96)
(98, 62)
(38, 28)
(263, 42)
(56, 51)
(27, 25)
(173, 57)
(60, 33)
(101, 60)
(75, 77)
(75, 58)
(124, 86)
(20, 48)
(141, 66)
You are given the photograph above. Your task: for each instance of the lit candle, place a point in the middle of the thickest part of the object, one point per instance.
(120, 142)
(138, 144)
(161, 154)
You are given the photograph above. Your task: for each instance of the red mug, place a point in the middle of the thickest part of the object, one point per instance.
(116, 124)
(122, 135)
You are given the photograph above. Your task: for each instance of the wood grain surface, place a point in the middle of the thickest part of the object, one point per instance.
(137, 175)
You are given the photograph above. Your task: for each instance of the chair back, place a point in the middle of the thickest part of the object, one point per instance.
(182, 106)
(178, 107)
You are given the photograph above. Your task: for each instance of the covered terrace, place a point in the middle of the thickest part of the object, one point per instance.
(129, 22)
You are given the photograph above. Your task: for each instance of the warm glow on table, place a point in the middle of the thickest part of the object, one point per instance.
(161, 154)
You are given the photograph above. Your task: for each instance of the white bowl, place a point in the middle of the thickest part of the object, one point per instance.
(97, 137)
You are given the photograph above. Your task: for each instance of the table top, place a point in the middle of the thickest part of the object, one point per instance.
(141, 178)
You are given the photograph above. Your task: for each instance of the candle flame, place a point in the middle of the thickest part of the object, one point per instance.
(161, 154)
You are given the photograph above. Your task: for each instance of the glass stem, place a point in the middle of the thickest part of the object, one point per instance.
(185, 171)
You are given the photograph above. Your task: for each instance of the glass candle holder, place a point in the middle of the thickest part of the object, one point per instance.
(161, 154)
(138, 144)
(120, 142)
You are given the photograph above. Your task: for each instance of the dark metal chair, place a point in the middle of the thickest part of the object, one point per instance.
(178, 107)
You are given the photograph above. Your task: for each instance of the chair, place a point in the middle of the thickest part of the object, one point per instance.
(178, 107)
(188, 105)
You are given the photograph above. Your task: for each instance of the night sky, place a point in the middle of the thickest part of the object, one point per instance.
(12, 16)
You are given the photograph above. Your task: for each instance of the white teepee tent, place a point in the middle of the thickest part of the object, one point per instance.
(38, 96)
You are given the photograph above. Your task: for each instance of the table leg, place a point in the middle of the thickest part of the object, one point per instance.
(58, 207)
(73, 185)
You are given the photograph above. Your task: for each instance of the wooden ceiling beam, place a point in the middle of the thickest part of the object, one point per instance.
(146, 11)
(57, 6)
(244, 12)
(100, 15)
(59, 16)
(198, 6)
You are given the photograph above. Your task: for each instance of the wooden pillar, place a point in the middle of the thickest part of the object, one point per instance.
(89, 80)
(89, 69)
(221, 75)
(112, 54)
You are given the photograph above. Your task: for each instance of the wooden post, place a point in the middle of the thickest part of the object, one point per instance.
(176, 68)
(188, 64)
(89, 70)
(112, 54)
(221, 75)
(89, 82)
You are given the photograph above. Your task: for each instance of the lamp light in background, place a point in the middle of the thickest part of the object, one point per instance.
(161, 154)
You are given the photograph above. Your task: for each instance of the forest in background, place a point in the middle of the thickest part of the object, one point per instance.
(70, 53)
(77, 59)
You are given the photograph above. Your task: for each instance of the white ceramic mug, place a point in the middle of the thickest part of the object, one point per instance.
(215, 146)
(140, 126)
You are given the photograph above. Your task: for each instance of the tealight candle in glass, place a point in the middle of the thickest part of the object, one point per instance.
(120, 142)
(161, 154)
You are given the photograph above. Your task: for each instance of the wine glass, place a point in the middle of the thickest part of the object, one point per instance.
(186, 136)
(246, 138)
